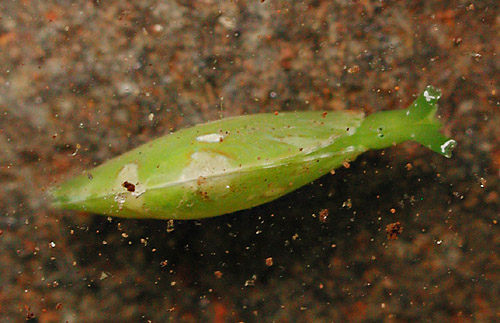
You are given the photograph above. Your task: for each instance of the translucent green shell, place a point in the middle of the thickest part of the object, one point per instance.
(237, 163)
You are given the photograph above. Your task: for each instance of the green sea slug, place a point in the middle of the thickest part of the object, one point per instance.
(237, 163)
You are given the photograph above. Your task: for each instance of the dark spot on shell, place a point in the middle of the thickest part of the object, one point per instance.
(129, 186)
(204, 195)
(201, 180)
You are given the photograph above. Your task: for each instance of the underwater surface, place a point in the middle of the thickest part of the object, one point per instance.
(399, 234)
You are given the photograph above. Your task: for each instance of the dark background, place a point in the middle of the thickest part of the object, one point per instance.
(101, 77)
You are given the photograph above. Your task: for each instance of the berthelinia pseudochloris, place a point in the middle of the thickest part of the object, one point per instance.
(237, 163)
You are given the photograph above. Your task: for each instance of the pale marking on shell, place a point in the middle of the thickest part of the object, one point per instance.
(315, 157)
(310, 145)
(212, 137)
(349, 149)
(129, 173)
(120, 198)
(352, 130)
(205, 164)
(277, 191)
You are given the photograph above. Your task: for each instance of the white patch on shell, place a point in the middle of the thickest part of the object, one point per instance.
(205, 164)
(308, 145)
(316, 157)
(352, 130)
(349, 149)
(129, 173)
(212, 137)
(296, 141)
(120, 198)
(208, 166)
